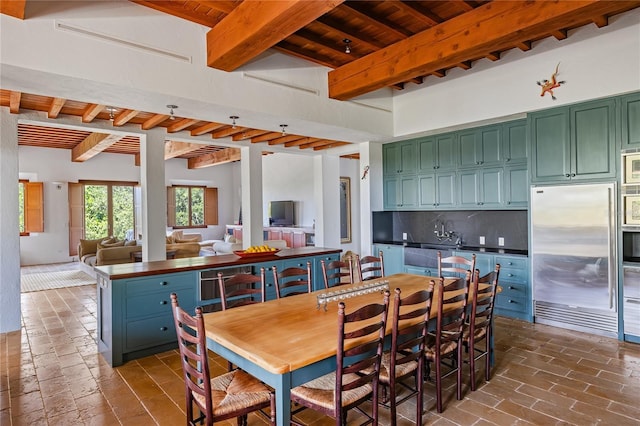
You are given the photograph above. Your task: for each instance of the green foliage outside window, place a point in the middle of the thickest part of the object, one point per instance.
(189, 206)
(108, 210)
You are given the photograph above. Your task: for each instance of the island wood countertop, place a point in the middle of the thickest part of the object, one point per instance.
(139, 269)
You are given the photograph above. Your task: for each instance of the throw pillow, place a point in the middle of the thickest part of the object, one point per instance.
(131, 243)
(169, 239)
(91, 246)
(177, 235)
(187, 240)
(107, 245)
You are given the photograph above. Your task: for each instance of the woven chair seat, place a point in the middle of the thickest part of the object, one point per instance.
(478, 333)
(445, 349)
(401, 370)
(321, 391)
(235, 390)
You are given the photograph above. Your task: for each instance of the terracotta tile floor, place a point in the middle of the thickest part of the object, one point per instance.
(51, 374)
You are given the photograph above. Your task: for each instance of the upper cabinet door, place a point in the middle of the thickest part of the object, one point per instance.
(399, 158)
(550, 157)
(427, 160)
(480, 147)
(446, 151)
(593, 141)
(514, 134)
(630, 112)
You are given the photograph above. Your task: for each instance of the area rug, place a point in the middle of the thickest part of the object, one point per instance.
(57, 279)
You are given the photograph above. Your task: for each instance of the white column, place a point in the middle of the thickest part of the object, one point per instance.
(326, 172)
(251, 183)
(9, 225)
(154, 195)
(370, 191)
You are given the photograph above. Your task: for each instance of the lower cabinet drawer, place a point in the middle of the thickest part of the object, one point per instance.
(511, 302)
(512, 290)
(149, 332)
(158, 303)
(631, 316)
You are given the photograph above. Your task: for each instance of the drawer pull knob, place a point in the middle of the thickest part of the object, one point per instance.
(163, 302)
(511, 301)
(510, 263)
(163, 283)
(510, 275)
(163, 328)
(511, 287)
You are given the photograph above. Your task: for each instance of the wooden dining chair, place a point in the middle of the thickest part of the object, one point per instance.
(337, 272)
(479, 327)
(241, 289)
(370, 267)
(444, 346)
(292, 281)
(232, 394)
(455, 266)
(406, 357)
(358, 357)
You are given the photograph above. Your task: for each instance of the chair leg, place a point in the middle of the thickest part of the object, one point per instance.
(487, 361)
(392, 401)
(438, 384)
(459, 371)
(472, 363)
(420, 396)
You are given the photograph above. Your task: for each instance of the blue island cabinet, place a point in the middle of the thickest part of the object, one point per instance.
(134, 314)
(134, 307)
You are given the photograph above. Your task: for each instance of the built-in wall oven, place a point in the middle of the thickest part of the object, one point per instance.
(631, 282)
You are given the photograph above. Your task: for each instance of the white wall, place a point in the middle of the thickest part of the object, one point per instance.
(51, 165)
(595, 62)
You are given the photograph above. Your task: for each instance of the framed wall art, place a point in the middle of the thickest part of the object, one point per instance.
(631, 169)
(632, 209)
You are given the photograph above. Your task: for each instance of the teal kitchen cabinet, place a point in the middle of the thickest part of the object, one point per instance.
(481, 187)
(437, 153)
(393, 257)
(400, 192)
(419, 270)
(574, 143)
(399, 158)
(515, 299)
(514, 136)
(480, 146)
(516, 186)
(437, 190)
(630, 120)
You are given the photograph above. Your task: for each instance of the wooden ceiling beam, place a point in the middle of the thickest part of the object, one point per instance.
(300, 142)
(525, 45)
(266, 137)
(492, 56)
(55, 107)
(559, 34)
(493, 26)
(152, 122)
(181, 124)
(465, 65)
(228, 131)
(331, 144)
(173, 149)
(319, 142)
(92, 145)
(248, 134)
(255, 26)
(14, 102)
(209, 127)
(284, 139)
(124, 117)
(223, 156)
(13, 8)
(91, 111)
(601, 21)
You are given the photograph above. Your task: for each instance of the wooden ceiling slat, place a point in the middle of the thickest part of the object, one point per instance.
(124, 117)
(91, 111)
(226, 132)
(93, 145)
(266, 137)
(414, 9)
(333, 144)
(248, 134)
(220, 157)
(284, 139)
(154, 121)
(174, 149)
(357, 9)
(301, 141)
(179, 125)
(206, 128)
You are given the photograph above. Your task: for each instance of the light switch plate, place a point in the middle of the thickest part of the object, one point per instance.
(404, 235)
(500, 242)
(482, 240)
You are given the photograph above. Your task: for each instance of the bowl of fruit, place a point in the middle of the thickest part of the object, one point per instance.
(257, 251)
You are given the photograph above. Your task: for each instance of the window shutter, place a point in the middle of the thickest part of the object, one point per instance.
(211, 206)
(76, 216)
(33, 207)
(171, 206)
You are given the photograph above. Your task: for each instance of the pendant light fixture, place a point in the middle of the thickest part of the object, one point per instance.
(284, 127)
(347, 45)
(111, 113)
(233, 120)
(171, 108)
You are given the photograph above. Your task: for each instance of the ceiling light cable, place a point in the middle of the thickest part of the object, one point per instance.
(233, 120)
(111, 110)
(347, 45)
(284, 127)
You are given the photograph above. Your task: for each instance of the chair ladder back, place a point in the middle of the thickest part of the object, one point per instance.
(371, 267)
(242, 289)
(456, 266)
(335, 272)
(193, 354)
(292, 281)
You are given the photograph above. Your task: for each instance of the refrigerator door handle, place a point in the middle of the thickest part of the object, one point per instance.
(612, 244)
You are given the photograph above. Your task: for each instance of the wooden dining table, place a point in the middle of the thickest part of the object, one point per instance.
(287, 342)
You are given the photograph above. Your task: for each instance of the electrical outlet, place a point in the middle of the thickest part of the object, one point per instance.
(500, 241)
(404, 235)
(482, 240)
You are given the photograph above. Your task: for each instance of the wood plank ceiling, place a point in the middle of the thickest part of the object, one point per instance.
(367, 44)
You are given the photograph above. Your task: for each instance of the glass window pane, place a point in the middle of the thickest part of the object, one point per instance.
(95, 211)
(182, 206)
(122, 211)
(197, 206)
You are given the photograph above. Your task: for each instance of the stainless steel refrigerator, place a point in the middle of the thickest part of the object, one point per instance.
(573, 257)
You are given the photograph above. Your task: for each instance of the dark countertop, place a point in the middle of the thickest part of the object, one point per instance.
(139, 269)
(492, 250)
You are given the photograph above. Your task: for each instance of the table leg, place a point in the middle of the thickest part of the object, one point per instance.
(283, 400)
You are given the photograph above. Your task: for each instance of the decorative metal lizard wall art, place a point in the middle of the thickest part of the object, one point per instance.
(549, 85)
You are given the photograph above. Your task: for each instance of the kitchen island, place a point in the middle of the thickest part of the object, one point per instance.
(134, 308)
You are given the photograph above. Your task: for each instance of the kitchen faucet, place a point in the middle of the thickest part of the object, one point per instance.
(443, 234)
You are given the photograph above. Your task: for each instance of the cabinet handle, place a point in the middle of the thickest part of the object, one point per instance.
(511, 301)
(508, 202)
(511, 287)
(510, 263)
(163, 328)
(436, 167)
(163, 283)
(507, 159)
(163, 302)
(573, 175)
(566, 175)
(509, 275)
